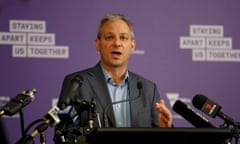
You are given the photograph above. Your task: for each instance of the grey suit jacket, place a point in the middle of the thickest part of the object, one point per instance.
(142, 109)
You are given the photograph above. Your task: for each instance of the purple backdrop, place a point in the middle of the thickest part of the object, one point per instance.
(30, 31)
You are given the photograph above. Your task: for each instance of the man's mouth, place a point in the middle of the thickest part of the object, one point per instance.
(116, 53)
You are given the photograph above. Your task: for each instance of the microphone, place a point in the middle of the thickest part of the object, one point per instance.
(76, 82)
(139, 86)
(18, 102)
(211, 108)
(51, 117)
(81, 105)
(29, 139)
(67, 130)
(67, 126)
(190, 115)
(39, 129)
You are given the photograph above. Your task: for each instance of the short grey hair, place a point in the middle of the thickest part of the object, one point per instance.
(111, 17)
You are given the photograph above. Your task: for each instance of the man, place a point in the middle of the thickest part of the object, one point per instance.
(121, 98)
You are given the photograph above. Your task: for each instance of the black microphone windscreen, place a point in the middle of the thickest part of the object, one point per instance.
(139, 85)
(190, 115)
(206, 105)
(199, 100)
(67, 99)
(78, 79)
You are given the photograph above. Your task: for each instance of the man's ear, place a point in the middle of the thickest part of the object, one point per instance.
(133, 43)
(97, 44)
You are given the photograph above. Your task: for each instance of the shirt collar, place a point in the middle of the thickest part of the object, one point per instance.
(109, 79)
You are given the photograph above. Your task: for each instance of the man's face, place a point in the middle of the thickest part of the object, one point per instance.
(115, 44)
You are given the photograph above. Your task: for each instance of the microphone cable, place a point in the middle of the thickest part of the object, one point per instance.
(139, 86)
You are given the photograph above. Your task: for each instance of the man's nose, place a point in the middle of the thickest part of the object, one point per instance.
(117, 42)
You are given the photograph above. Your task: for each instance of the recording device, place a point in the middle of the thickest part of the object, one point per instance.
(139, 86)
(211, 108)
(76, 82)
(190, 115)
(18, 102)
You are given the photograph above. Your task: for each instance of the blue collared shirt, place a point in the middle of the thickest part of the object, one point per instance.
(119, 93)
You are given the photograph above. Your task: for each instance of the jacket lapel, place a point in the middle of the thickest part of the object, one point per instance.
(104, 107)
(133, 93)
